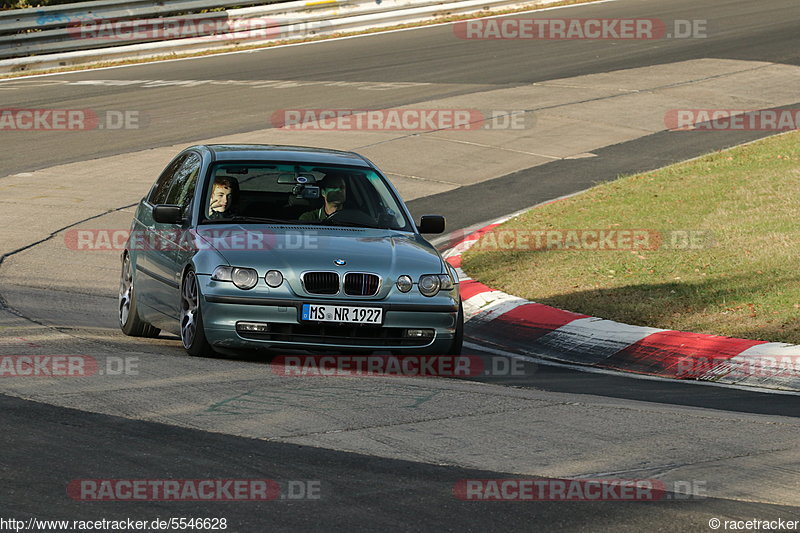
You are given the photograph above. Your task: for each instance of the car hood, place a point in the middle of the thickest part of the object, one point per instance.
(296, 249)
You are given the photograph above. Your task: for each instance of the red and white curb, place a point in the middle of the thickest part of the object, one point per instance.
(520, 326)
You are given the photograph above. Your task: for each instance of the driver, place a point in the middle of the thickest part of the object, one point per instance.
(223, 195)
(334, 192)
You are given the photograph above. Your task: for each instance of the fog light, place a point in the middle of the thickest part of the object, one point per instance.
(419, 333)
(252, 327)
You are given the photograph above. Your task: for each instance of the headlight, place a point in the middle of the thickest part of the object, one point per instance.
(222, 273)
(244, 278)
(453, 273)
(429, 284)
(445, 282)
(404, 283)
(273, 278)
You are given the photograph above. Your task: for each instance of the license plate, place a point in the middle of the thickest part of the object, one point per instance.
(342, 313)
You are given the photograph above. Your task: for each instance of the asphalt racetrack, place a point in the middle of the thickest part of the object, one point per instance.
(382, 453)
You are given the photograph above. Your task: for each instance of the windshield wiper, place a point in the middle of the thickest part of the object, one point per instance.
(241, 218)
(347, 224)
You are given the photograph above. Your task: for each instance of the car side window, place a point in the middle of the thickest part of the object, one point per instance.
(184, 181)
(158, 195)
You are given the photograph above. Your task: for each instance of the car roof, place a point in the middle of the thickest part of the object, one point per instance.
(273, 152)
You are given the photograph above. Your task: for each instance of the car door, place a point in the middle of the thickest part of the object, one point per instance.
(167, 259)
(148, 240)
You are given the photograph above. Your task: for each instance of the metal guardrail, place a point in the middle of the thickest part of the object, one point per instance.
(38, 18)
(73, 34)
(63, 28)
(104, 23)
(77, 35)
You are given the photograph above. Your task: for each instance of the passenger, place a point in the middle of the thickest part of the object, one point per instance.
(334, 192)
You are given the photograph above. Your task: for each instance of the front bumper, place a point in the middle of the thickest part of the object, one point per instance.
(222, 312)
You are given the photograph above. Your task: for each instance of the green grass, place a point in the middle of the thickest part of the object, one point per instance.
(746, 285)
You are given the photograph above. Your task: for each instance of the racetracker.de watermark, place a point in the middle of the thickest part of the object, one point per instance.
(739, 367)
(732, 119)
(66, 366)
(202, 29)
(400, 119)
(593, 240)
(107, 240)
(575, 490)
(18, 119)
(409, 366)
(193, 489)
(519, 28)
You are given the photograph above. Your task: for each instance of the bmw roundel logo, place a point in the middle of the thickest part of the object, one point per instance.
(340, 262)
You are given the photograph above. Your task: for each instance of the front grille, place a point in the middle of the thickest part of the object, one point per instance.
(321, 282)
(341, 335)
(361, 284)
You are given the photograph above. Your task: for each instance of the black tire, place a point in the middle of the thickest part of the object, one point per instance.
(458, 340)
(127, 312)
(193, 334)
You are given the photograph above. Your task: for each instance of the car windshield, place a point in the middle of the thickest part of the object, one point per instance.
(313, 194)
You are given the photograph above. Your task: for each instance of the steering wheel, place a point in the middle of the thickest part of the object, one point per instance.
(351, 216)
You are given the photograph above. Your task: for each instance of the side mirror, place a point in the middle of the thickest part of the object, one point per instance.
(431, 224)
(168, 214)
